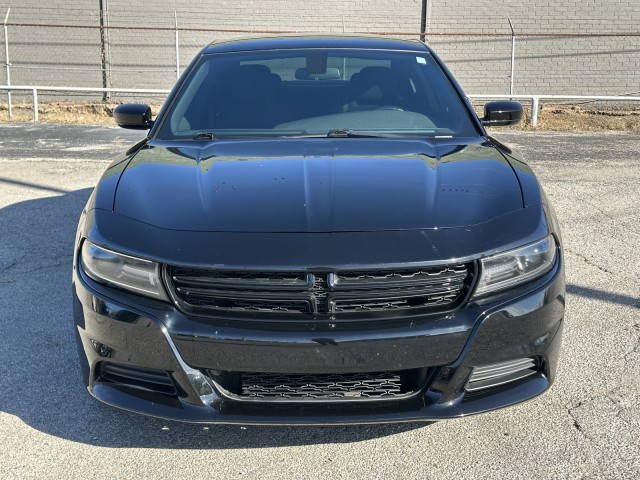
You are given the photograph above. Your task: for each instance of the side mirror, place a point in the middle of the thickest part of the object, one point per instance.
(133, 115)
(499, 114)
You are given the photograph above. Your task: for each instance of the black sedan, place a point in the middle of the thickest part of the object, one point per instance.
(317, 230)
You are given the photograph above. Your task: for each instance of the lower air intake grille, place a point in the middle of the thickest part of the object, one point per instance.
(157, 381)
(321, 387)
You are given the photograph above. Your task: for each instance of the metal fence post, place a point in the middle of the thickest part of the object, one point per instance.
(105, 53)
(534, 110)
(7, 63)
(35, 104)
(513, 57)
(175, 16)
(423, 20)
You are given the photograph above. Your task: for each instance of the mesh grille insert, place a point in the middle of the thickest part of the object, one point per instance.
(320, 387)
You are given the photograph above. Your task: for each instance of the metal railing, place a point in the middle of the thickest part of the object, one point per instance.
(35, 89)
(533, 99)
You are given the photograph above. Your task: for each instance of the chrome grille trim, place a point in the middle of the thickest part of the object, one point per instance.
(497, 374)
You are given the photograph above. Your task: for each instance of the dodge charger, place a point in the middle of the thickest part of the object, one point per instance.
(317, 230)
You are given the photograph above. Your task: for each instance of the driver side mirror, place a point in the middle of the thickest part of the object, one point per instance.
(133, 115)
(499, 114)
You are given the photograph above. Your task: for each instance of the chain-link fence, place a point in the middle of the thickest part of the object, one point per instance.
(522, 49)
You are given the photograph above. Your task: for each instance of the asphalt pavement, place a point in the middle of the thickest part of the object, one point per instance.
(586, 426)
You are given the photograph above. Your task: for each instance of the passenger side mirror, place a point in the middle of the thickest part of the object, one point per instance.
(133, 115)
(499, 114)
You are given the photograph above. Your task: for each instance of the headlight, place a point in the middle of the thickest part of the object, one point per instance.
(122, 271)
(514, 267)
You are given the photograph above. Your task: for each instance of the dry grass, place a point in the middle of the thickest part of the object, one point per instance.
(551, 117)
(585, 118)
(65, 112)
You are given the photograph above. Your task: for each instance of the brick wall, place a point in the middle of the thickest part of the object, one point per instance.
(581, 65)
(145, 58)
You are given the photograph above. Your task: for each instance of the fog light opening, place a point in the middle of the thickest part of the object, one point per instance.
(101, 349)
(139, 378)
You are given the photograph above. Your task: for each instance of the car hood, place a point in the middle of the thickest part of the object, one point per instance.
(328, 185)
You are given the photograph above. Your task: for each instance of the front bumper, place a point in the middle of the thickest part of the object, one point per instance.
(127, 330)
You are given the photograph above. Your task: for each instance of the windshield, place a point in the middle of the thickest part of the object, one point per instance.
(316, 92)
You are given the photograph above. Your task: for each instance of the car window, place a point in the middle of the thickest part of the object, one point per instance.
(314, 92)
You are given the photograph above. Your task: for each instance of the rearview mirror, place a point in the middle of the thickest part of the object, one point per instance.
(499, 114)
(329, 74)
(133, 115)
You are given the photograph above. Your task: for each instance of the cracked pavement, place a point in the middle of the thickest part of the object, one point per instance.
(586, 426)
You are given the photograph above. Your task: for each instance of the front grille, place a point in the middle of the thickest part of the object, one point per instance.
(280, 387)
(147, 379)
(207, 291)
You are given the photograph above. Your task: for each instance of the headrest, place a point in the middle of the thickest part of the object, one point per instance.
(250, 82)
(374, 86)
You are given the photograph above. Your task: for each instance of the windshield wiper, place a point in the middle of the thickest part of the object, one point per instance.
(205, 136)
(346, 133)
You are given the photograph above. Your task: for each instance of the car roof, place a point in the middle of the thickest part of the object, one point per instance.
(315, 41)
